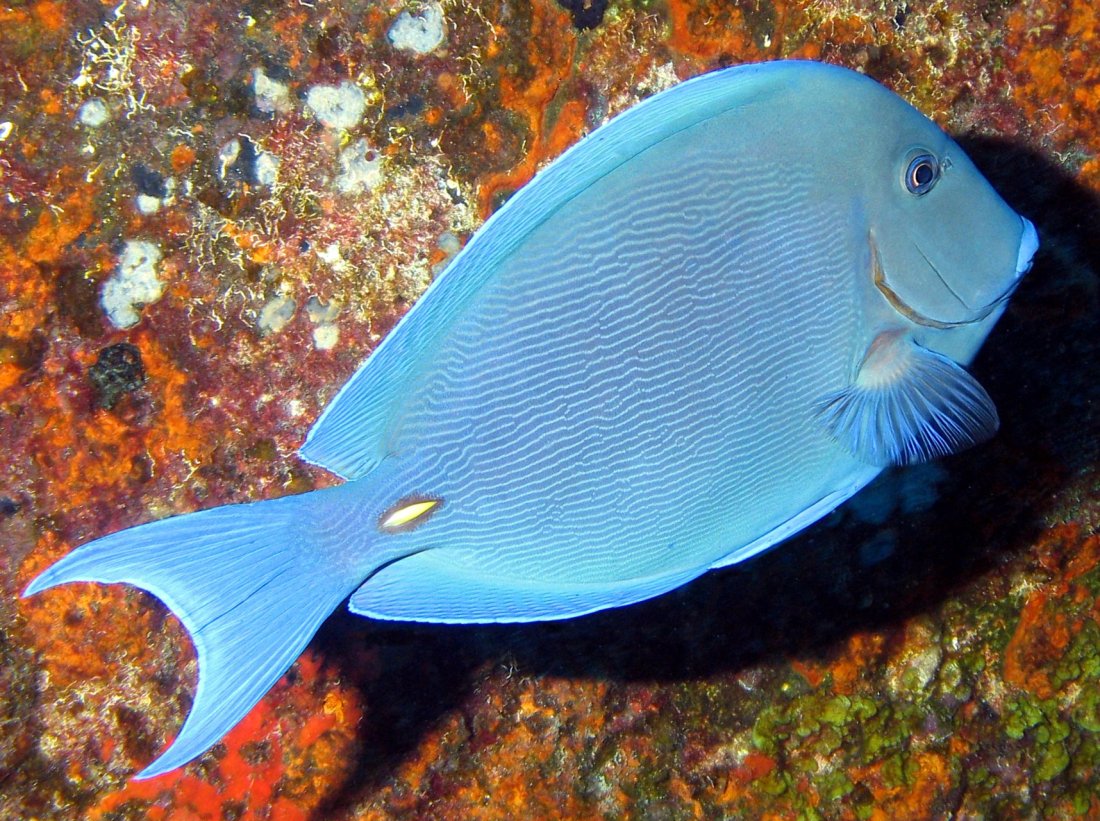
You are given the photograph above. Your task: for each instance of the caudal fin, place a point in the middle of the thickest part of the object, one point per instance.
(249, 582)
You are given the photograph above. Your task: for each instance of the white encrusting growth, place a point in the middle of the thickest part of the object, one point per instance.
(332, 256)
(418, 33)
(93, 113)
(227, 155)
(321, 312)
(134, 284)
(264, 168)
(149, 204)
(325, 337)
(272, 97)
(339, 106)
(275, 314)
(323, 315)
(267, 169)
(360, 168)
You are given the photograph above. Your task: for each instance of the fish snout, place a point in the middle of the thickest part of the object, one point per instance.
(1029, 244)
(1025, 254)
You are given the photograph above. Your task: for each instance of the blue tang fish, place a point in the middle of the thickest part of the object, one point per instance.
(701, 329)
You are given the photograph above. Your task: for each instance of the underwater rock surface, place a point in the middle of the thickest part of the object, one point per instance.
(911, 657)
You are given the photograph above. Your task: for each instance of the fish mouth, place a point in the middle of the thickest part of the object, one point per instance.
(1025, 256)
(907, 310)
(1029, 244)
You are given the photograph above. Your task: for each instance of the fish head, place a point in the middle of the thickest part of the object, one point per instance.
(946, 251)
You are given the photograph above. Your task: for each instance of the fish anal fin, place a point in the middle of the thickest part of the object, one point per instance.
(431, 587)
(818, 510)
(908, 404)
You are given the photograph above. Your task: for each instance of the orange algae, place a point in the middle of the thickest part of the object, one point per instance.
(861, 654)
(813, 672)
(1027, 653)
(59, 227)
(67, 661)
(94, 453)
(42, 16)
(11, 17)
(27, 293)
(1053, 613)
(709, 31)
(756, 765)
(518, 775)
(10, 374)
(1056, 86)
(182, 158)
(928, 780)
(532, 95)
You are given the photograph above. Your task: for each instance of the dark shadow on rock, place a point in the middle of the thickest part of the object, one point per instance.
(1042, 368)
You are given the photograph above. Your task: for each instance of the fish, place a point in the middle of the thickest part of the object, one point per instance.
(699, 330)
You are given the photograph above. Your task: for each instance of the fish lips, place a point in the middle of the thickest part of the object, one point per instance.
(942, 317)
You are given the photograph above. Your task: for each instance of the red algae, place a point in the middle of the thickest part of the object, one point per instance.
(254, 774)
(955, 673)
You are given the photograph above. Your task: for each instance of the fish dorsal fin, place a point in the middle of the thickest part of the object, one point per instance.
(908, 404)
(350, 437)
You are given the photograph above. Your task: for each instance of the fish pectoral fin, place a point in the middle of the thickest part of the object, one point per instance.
(432, 586)
(908, 404)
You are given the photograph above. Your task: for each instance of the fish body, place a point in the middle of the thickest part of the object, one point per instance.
(701, 329)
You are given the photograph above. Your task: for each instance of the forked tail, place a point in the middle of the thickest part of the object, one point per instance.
(250, 582)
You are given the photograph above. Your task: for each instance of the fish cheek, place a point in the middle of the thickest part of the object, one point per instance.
(881, 281)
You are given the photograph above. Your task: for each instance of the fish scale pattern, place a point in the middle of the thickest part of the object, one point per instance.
(651, 377)
(348, 437)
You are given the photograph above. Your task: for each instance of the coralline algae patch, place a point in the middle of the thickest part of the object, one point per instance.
(134, 284)
(209, 215)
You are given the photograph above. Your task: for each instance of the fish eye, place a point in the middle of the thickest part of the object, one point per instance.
(922, 174)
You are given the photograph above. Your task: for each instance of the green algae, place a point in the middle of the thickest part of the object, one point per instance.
(1086, 712)
(953, 681)
(1055, 759)
(769, 729)
(1022, 715)
(773, 784)
(1046, 735)
(1081, 659)
(835, 785)
(828, 742)
(835, 710)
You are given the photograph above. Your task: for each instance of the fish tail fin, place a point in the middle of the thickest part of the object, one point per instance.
(250, 582)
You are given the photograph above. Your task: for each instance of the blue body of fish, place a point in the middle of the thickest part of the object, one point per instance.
(698, 331)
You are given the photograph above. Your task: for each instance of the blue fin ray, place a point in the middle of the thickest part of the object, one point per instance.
(431, 587)
(248, 583)
(818, 510)
(907, 405)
